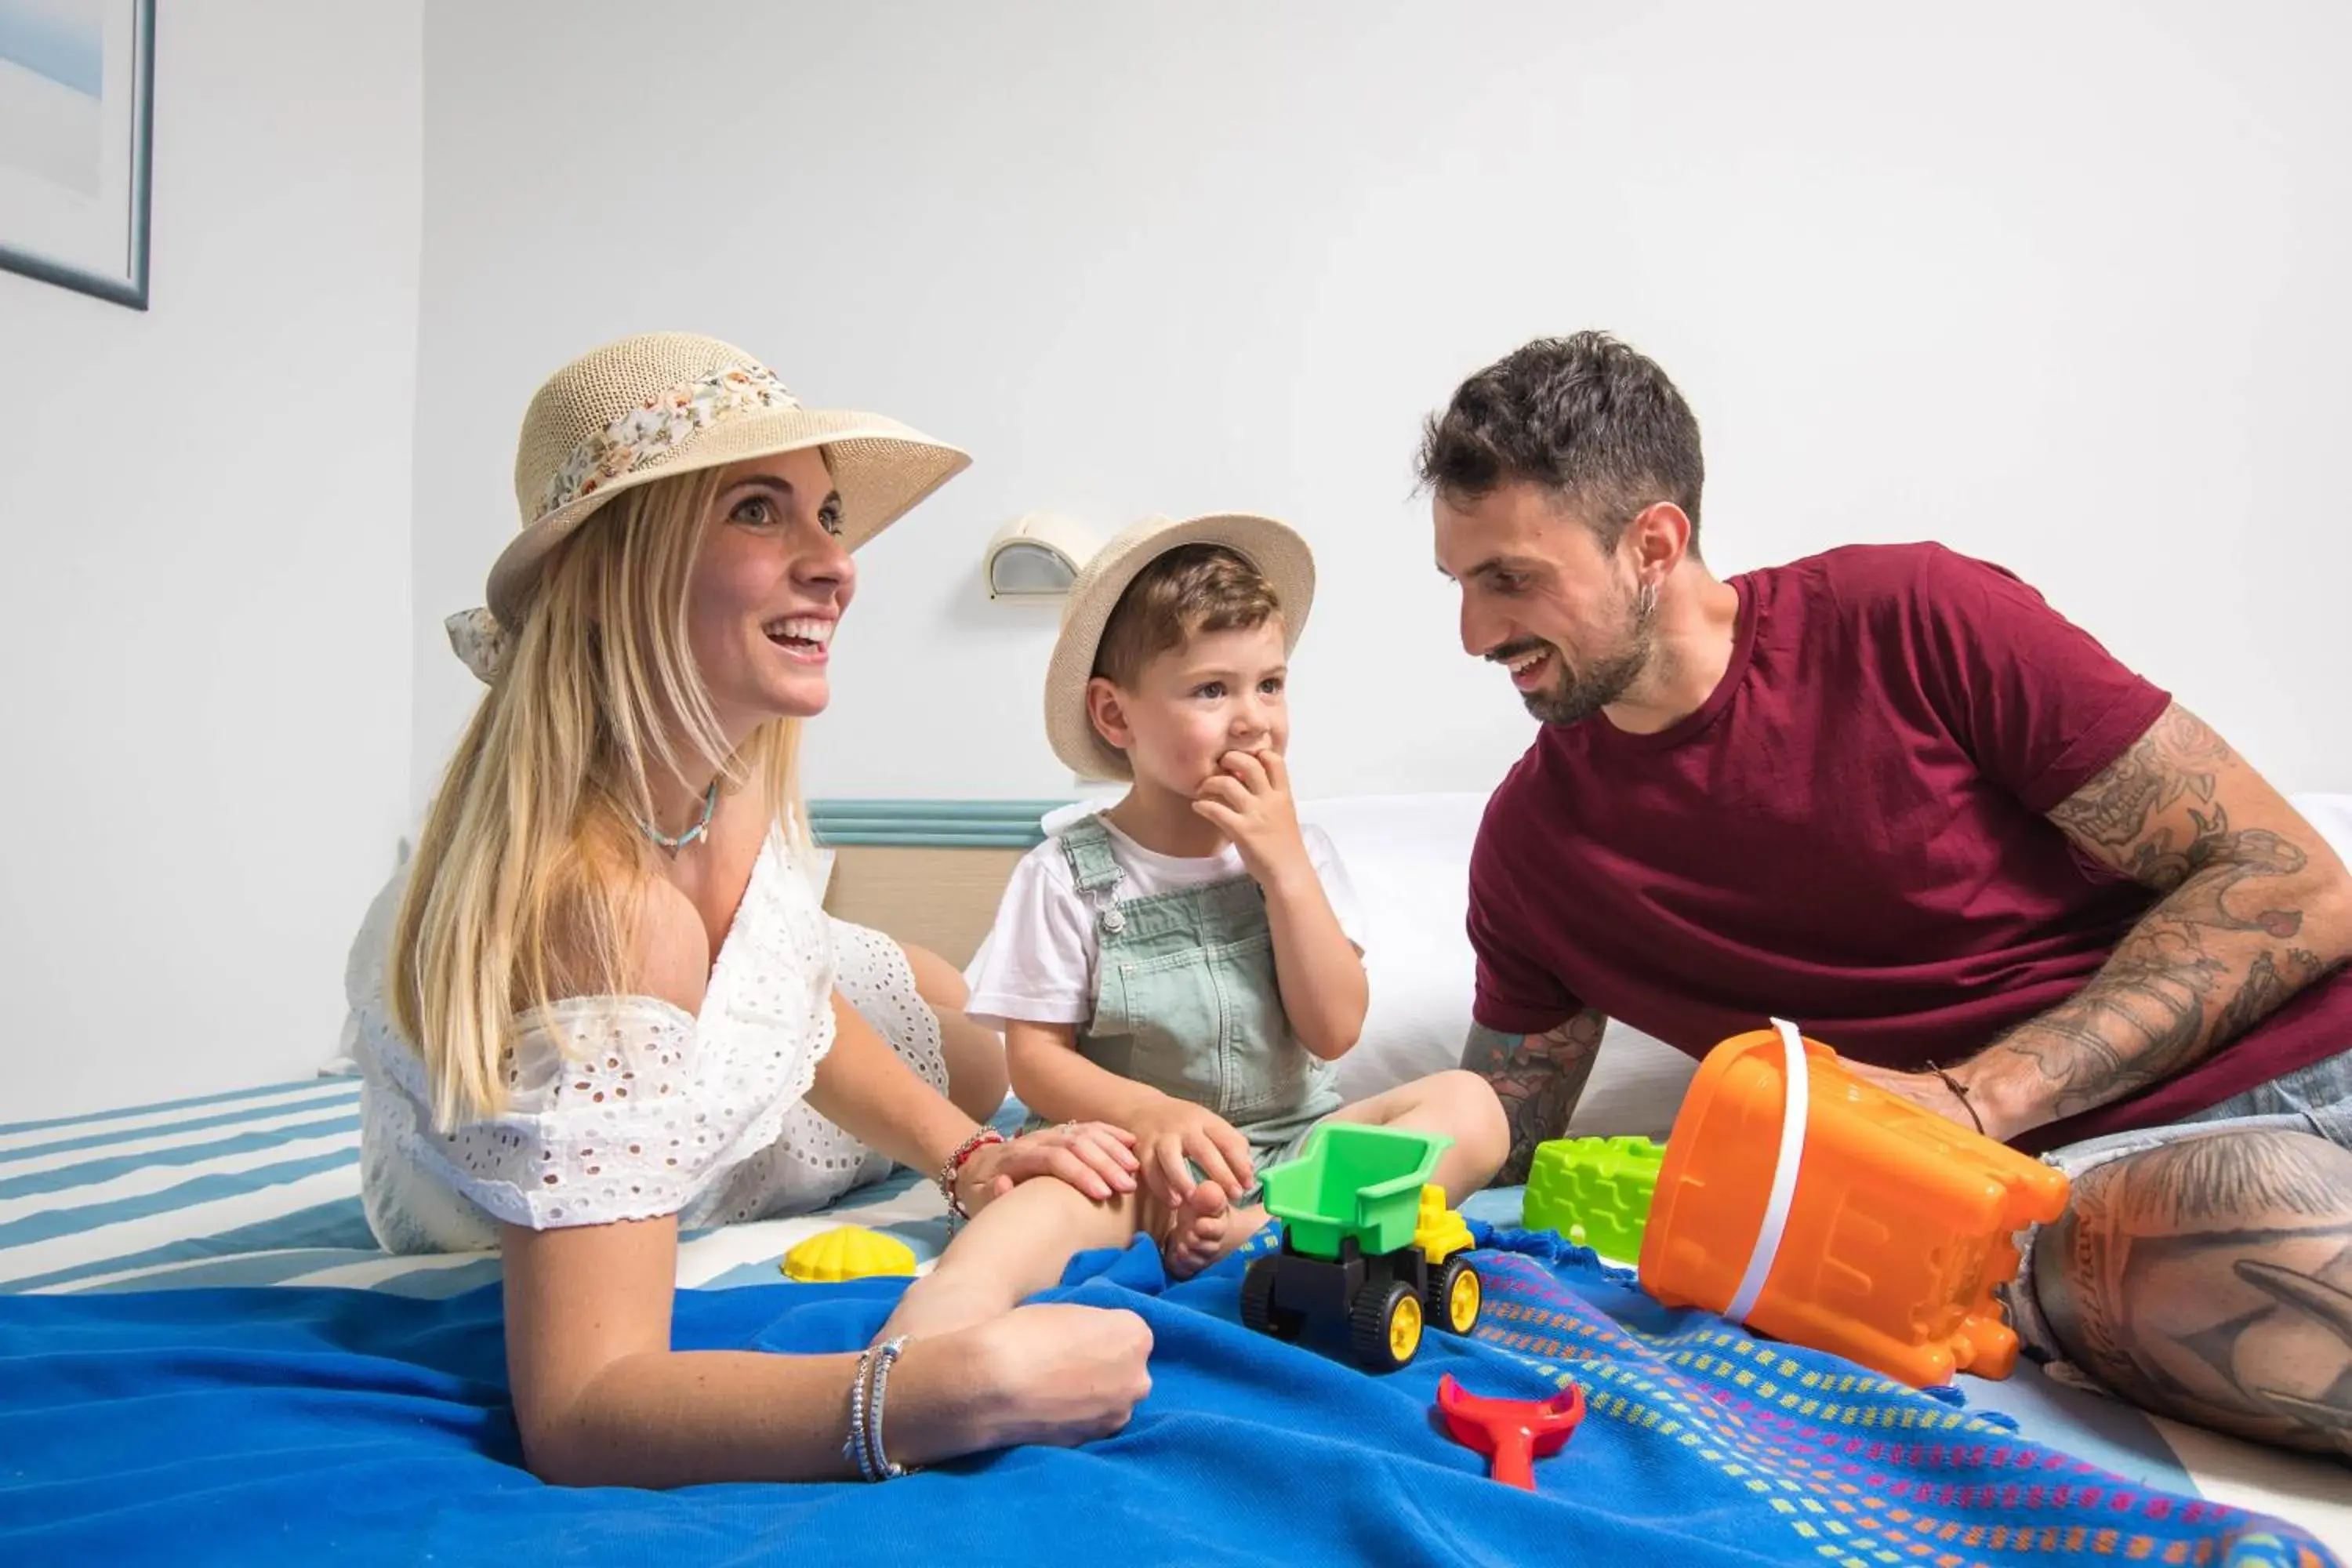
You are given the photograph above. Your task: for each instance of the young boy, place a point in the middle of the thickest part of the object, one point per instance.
(1185, 965)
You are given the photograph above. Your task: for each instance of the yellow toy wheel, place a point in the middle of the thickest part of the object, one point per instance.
(1405, 1330)
(1464, 1296)
(1454, 1295)
(1385, 1327)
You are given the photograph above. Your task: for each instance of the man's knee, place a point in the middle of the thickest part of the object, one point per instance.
(2227, 1179)
(2211, 1278)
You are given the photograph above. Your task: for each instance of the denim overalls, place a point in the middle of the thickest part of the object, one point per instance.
(1186, 1000)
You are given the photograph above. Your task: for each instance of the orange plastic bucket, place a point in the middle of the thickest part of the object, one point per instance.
(1894, 1225)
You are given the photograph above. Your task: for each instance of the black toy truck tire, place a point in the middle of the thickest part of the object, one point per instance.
(1368, 1324)
(1259, 1314)
(1438, 1307)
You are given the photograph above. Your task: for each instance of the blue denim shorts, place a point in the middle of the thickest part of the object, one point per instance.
(2316, 1099)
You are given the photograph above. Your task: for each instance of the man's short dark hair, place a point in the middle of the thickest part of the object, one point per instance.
(1586, 417)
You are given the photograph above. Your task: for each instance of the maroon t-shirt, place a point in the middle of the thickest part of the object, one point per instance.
(1851, 835)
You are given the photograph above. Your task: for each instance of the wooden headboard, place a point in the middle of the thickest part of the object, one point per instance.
(925, 871)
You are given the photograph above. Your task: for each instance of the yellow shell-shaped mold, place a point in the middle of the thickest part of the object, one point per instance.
(848, 1252)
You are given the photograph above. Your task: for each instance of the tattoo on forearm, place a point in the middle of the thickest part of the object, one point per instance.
(1538, 1078)
(2212, 1279)
(2258, 996)
(2208, 962)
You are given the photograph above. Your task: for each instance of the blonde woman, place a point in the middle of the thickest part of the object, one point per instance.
(610, 1008)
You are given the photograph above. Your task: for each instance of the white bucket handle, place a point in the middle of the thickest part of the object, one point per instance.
(1795, 1106)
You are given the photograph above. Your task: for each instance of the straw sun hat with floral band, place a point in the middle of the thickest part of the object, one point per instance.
(670, 403)
(1280, 556)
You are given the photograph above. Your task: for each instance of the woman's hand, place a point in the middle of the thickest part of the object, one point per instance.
(1092, 1156)
(1059, 1374)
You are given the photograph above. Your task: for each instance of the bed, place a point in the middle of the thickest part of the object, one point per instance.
(139, 1248)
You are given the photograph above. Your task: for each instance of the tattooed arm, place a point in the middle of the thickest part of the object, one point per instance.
(2254, 908)
(1538, 1079)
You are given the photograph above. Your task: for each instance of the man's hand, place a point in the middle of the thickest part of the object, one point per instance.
(1250, 804)
(2255, 907)
(1538, 1078)
(1925, 1090)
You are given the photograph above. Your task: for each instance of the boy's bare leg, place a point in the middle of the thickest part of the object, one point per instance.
(1018, 1246)
(1463, 1106)
(1021, 1244)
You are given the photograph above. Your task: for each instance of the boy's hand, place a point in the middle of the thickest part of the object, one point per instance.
(1250, 804)
(1173, 1131)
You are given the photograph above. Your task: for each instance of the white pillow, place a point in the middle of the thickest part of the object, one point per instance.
(1408, 856)
(2332, 815)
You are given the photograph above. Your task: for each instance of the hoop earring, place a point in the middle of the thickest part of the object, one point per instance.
(1647, 605)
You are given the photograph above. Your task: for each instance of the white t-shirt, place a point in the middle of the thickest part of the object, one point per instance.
(1038, 964)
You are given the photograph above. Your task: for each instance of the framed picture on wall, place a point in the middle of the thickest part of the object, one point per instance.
(77, 93)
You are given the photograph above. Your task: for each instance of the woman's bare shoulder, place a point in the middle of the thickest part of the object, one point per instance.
(667, 952)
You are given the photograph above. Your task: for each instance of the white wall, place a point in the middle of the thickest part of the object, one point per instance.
(204, 613)
(2063, 286)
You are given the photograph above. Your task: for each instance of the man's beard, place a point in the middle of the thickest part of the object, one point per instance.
(1575, 696)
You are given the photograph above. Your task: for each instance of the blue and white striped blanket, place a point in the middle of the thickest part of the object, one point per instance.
(261, 1187)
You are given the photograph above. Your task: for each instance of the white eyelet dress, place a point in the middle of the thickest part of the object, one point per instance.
(629, 1108)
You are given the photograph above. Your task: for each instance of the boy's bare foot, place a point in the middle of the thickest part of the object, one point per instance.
(1206, 1228)
(1196, 1235)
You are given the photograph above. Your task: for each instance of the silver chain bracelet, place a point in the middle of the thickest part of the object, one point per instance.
(883, 1358)
(853, 1448)
(869, 1390)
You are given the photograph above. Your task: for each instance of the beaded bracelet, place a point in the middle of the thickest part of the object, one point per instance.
(884, 1467)
(854, 1447)
(953, 1165)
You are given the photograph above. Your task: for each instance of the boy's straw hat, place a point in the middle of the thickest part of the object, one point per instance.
(1279, 555)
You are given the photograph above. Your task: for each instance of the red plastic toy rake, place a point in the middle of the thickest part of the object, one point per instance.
(1514, 1432)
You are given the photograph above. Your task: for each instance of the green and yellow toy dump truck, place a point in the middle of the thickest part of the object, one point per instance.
(1365, 1242)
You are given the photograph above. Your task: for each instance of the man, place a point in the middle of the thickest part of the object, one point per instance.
(1888, 793)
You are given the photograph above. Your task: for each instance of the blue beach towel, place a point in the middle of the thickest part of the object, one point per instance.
(198, 1426)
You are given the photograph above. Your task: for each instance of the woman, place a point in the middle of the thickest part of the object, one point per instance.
(611, 1006)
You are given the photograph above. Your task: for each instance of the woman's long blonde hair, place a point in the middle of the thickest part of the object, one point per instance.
(531, 868)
